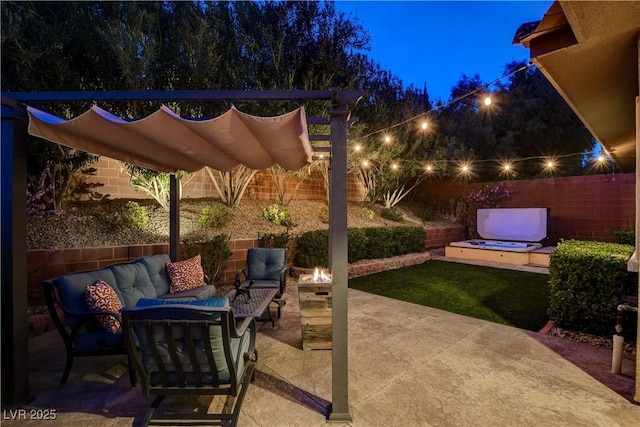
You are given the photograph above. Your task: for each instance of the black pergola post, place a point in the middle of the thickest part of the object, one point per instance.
(15, 325)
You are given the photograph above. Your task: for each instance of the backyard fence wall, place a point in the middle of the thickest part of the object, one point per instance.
(588, 207)
(116, 185)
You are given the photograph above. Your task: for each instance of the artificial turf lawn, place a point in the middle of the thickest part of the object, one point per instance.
(509, 297)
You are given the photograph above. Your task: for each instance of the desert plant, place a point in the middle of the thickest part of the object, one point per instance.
(128, 215)
(41, 195)
(215, 215)
(232, 184)
(323, 213)
(278, 215)
(392, 214)
(214, 252)
(366, 213)
(153, 183)
(281, 178)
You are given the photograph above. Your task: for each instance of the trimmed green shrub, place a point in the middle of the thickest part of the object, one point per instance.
(392, 214)
(129, 215)
(427, 213)
(624, 237)
(323, 214)
(585, 280)
(312, 247)
(215, 215)
(214, 252)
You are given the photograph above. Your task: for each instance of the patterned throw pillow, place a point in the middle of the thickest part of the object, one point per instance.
(101, 297)
(185, 275)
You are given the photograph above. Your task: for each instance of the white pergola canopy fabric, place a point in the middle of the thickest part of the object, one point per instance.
(166, 142)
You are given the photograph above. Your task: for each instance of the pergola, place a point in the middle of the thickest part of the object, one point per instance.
(15, 382)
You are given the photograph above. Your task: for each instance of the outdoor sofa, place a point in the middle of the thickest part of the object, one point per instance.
(91, 301)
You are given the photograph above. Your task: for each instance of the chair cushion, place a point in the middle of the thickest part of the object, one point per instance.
(185, 275)
(203, 292)
(155, 265)
(209, 302)
(101, 297)
(265, 263)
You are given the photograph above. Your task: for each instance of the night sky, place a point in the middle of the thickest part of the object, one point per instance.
(435, 42)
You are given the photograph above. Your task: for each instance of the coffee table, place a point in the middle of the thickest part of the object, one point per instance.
(254, 306)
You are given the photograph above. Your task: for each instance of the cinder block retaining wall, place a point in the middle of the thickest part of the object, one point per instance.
(116, 184)
(48, 263)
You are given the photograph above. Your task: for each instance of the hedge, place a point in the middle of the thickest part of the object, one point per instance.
(312, 247)
(586, 280)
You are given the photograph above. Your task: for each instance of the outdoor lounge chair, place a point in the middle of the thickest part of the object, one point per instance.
(191, 350)
(266, 268)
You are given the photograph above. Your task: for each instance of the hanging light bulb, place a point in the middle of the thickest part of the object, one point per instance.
(357, 148)
(365, 164)
(394, 166)
(550, 164)
(428, 168)
(487, 100)
(387, 139)
(601, 158)
(425, 125)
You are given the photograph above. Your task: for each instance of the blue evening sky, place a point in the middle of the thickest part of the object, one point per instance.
(435, 42)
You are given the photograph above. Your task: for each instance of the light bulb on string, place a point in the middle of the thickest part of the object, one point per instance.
(365, 164)
(357, 148)
(387, 139)
(601, 158)
(424, 125)
(394, 166)
(428, 168)
(487, 100)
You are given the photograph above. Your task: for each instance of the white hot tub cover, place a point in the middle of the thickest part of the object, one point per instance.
(513, 224)
(166, 142)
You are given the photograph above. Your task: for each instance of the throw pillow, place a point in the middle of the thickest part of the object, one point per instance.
(185, 275)
(209, 302)
(101, 297)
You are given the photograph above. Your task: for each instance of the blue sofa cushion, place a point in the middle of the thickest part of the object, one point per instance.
(203, 292)
(157, 271)
(72, 287)
(209, 302)
(265, 263)
(133, 282)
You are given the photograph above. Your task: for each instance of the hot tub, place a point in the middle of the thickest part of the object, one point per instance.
(509, 229)
(497, 245)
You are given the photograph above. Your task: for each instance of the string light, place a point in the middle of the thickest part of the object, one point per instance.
(465, 167)
(453, 101)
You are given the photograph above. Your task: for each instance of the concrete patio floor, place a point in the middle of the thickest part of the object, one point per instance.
(408, 366)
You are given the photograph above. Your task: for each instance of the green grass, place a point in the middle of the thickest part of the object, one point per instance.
(509, 297)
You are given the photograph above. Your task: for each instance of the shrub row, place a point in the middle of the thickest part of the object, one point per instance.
(312, 247)
(586, 280)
